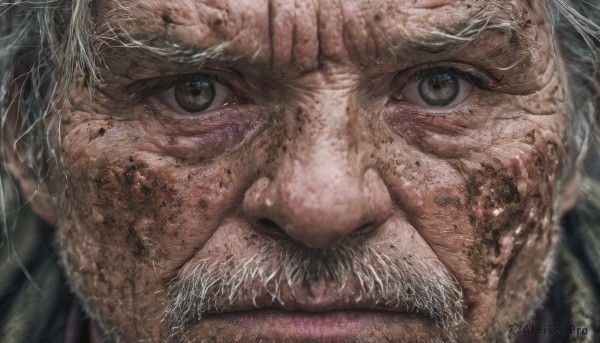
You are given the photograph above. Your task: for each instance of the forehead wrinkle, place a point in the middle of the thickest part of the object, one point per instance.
(501, 17)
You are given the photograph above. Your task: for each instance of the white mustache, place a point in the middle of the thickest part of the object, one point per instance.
(282, 272)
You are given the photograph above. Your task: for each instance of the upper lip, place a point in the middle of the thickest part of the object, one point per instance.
(305, 299)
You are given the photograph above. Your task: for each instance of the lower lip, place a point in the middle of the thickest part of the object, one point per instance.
(277, 323)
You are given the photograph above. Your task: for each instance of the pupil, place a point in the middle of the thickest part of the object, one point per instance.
(439, 89)
(195, 95)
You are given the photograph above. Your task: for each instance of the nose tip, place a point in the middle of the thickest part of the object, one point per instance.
(318, 214)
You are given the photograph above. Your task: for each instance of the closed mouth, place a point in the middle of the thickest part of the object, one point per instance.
(298, 325)
(322, 318)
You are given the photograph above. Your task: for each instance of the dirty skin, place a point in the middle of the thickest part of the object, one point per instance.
(321, 139)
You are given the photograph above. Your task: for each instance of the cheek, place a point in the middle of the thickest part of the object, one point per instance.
(484, 212)
(512, 203)
(519, 240)
(137, 213)
(517, 195)
(134, 218)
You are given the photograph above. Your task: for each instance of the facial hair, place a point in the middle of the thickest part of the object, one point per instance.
(282, 269)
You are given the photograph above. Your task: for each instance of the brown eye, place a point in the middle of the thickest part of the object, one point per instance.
(439, 89)
(197, 94)
(436, 88)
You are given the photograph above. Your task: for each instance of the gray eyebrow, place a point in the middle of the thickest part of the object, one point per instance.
(490, 19)
(164, 48)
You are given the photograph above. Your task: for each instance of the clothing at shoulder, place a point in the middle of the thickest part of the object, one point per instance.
(580, 270)
(34, 296)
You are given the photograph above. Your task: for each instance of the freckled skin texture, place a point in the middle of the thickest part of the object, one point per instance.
(318, 148)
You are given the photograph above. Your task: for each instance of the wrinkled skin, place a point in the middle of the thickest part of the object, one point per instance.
(319, 146)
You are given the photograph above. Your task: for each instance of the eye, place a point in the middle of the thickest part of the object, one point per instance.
(435, 88)
(196, 94)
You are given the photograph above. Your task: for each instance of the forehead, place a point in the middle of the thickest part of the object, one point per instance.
(304, 34)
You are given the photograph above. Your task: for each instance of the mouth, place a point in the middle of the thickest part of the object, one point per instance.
(333, 325)
(322, 318)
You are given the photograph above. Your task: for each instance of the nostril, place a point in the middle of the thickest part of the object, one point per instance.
(269, 227)
(363, 230)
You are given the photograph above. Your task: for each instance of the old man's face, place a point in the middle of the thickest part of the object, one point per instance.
(369, 171)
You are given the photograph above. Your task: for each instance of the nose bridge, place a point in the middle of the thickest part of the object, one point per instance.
(330, 122)
(325, 158)
(322, 178)
(329, 132)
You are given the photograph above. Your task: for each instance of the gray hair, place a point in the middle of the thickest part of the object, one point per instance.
(577, 31)
(43, 44)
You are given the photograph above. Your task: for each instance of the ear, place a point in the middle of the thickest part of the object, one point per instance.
(33, 191)
(570, 192)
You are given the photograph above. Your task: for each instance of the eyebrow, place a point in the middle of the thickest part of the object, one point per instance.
(451, 39)
(490, 19)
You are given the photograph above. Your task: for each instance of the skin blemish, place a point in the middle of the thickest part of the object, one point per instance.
(203, 204)
(445, 201)
(503, 189)
(136, 244)
(129, 173)
(478, 260)
(166, 18)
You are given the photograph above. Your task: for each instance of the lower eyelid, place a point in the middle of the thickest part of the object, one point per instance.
(199, 139)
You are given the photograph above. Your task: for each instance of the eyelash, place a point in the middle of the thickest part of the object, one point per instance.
(148, 88)
(469, 77)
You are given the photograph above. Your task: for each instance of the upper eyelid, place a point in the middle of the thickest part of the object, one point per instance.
(149, 87)
(472, 74)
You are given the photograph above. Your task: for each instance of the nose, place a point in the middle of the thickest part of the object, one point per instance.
(319, 200)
